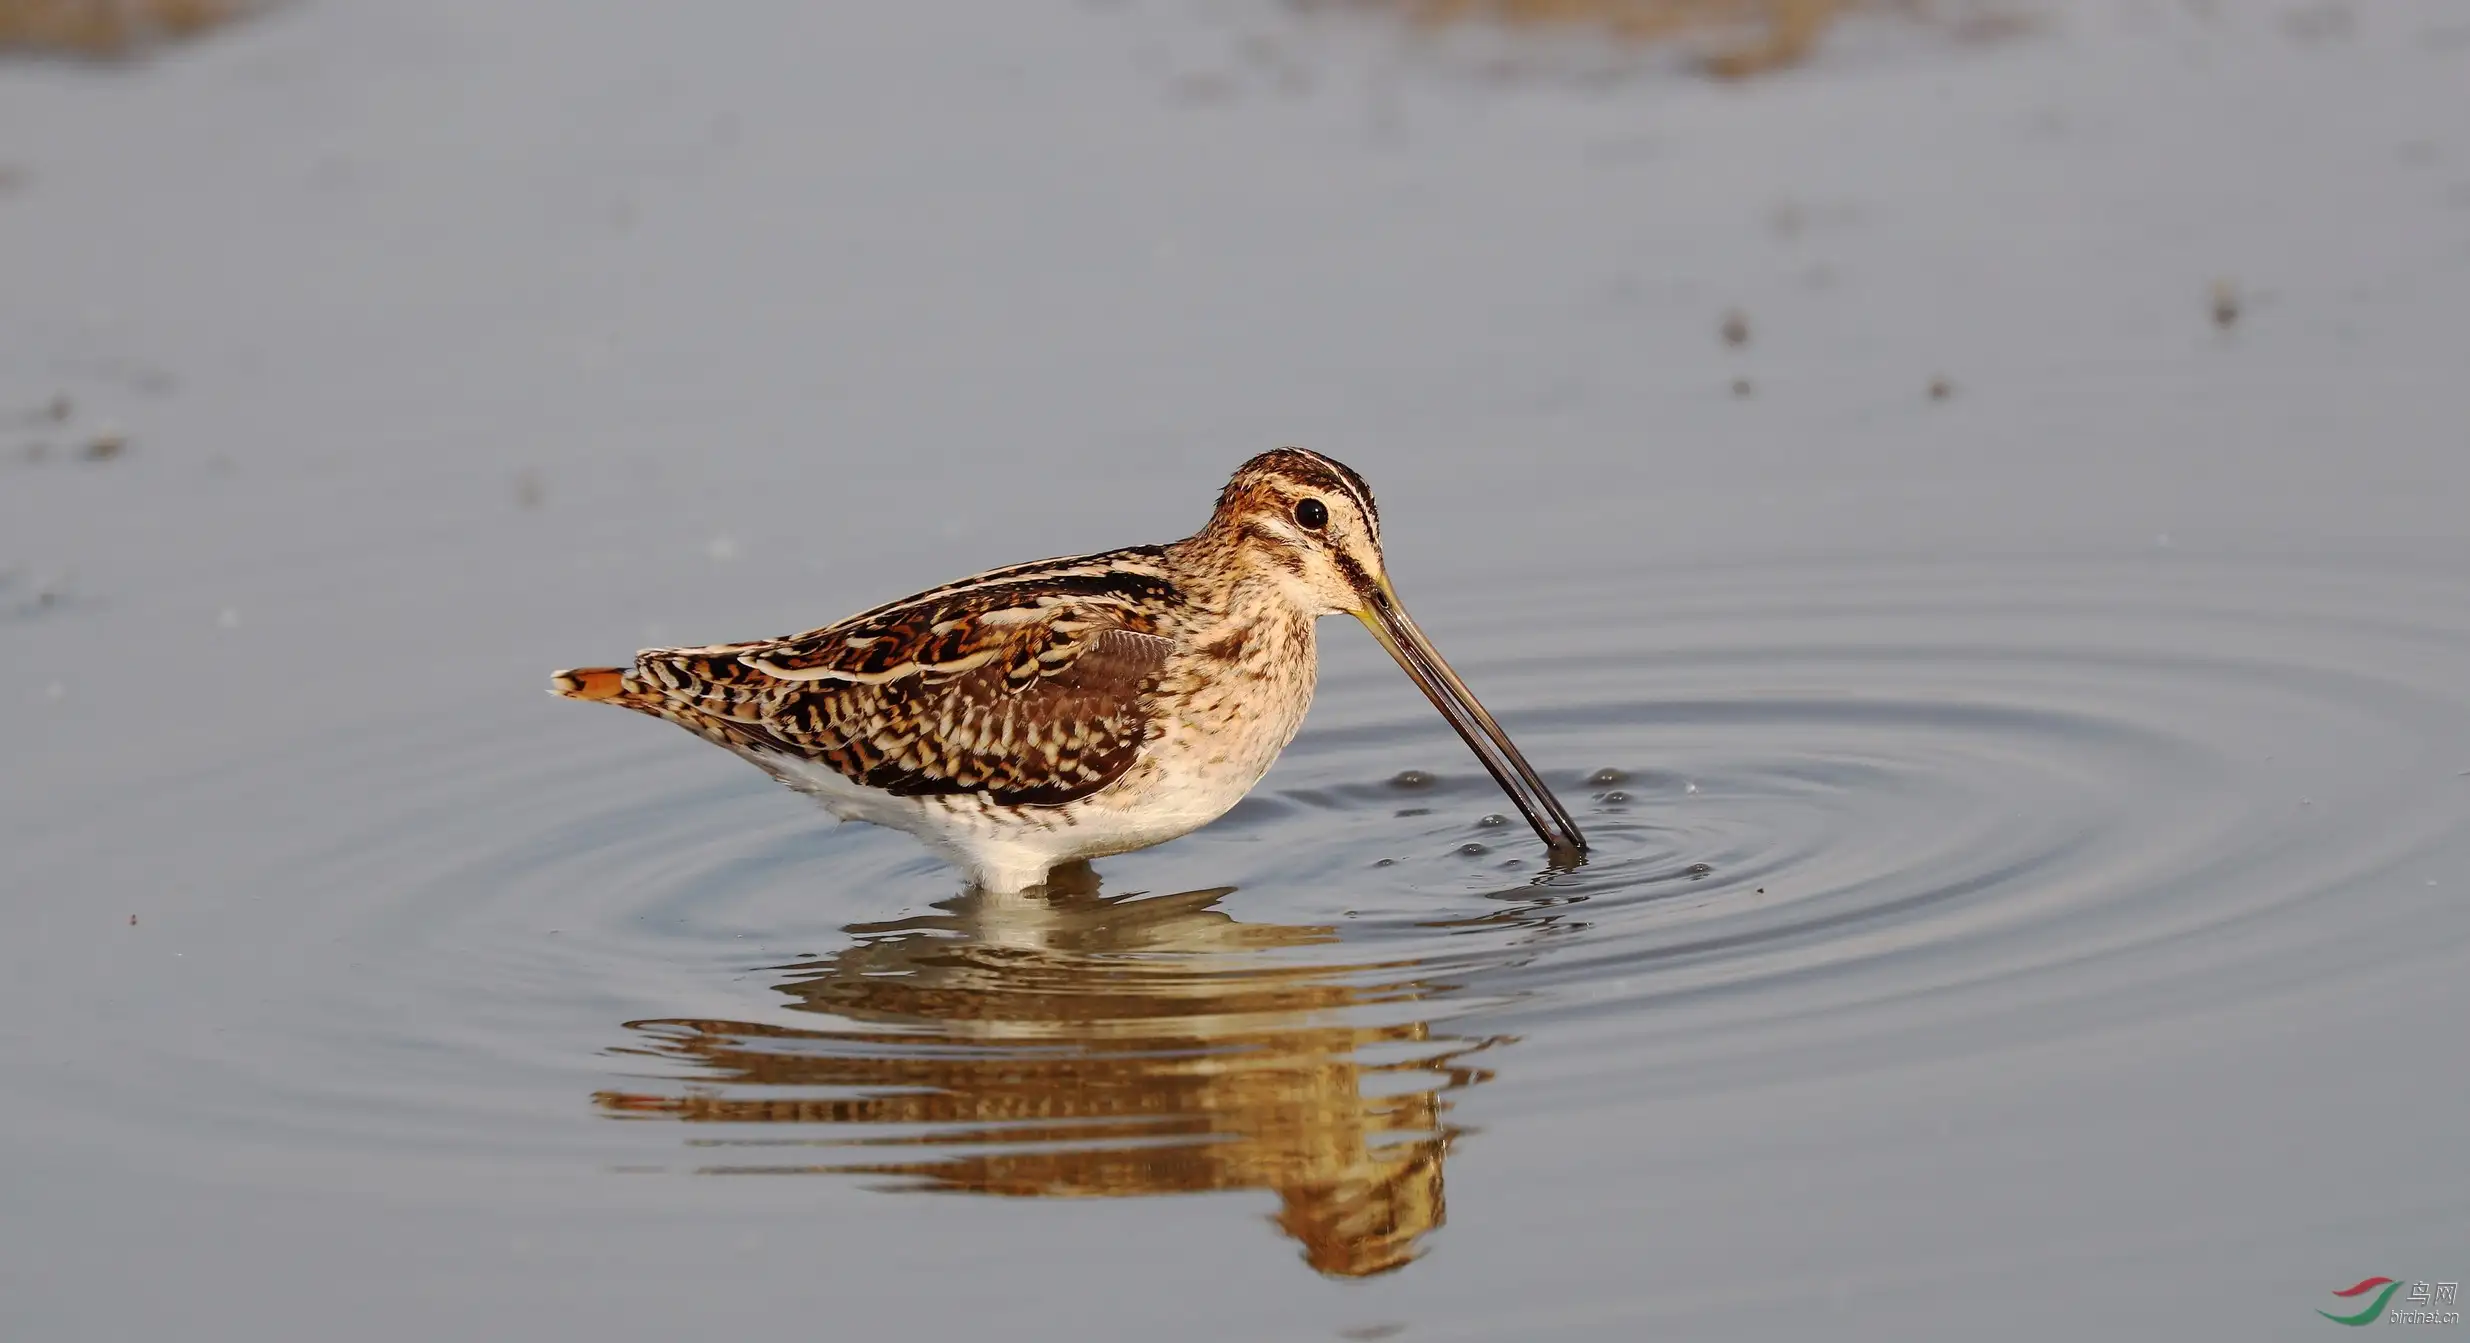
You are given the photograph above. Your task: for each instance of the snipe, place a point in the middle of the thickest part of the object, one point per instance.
(1073, 708)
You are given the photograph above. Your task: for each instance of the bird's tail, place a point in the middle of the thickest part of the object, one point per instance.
(635, 688)
(596, 683)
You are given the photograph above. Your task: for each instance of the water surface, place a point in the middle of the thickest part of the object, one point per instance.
(2030, 820)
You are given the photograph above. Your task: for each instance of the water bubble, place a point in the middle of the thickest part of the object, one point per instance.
(1607, 777)
(1615, 797)
(1473, 850)
(1493, 821)
(1411, 778)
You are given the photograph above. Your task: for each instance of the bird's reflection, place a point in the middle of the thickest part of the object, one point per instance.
(1065, 1044)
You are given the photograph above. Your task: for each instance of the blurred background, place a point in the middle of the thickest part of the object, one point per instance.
(1968, 495)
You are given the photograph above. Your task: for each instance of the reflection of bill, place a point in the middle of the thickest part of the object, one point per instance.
(1066, 1045)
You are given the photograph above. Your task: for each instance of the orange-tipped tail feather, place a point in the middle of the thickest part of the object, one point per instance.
(589, 683)
(627, 688)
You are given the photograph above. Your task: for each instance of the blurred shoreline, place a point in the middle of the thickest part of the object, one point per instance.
(109, 29)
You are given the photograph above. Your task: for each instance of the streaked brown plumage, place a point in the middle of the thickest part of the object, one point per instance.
(1075, 707)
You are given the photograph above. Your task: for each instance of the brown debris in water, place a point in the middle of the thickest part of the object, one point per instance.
(2226, 304)
(109, 29)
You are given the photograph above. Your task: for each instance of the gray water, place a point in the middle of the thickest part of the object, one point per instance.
(2031, 823)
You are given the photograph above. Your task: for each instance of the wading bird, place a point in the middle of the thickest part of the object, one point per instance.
(1073, 708)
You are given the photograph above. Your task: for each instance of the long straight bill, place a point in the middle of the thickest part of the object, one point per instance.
(1389, 623)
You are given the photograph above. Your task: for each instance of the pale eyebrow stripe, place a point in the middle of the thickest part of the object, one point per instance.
(1353, 489)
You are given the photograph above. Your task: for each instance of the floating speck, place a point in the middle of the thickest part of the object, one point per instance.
(530, 491)
(1607, 777)
(2225, 304)
(133, 918)
(104, 447)
(1741, 388)
(1411, 778)
(1941, 389)
(1735, 328)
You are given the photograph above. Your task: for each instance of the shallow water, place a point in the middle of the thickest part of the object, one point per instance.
(1982, 812)
(2030, 824)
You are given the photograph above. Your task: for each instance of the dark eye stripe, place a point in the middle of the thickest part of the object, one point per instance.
(1353, 572)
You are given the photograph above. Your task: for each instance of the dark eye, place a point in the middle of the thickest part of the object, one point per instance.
(1312, 513)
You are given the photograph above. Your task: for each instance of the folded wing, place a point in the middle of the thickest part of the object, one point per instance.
(1029, 696)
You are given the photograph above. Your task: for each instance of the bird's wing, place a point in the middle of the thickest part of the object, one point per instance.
(1031, 686)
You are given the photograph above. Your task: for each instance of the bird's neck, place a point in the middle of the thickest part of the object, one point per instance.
(1233, 582)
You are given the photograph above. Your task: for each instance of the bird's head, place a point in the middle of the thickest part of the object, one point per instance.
(1307, 523)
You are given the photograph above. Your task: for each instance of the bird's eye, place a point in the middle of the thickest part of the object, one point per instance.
(1312, 513)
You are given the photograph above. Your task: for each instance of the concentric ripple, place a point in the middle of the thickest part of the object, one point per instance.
(1843, 816)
